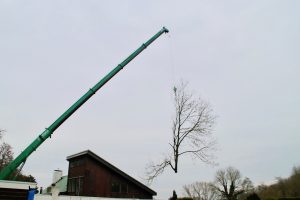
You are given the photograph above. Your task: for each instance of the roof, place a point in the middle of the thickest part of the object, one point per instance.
(113, 168)
(17, 185)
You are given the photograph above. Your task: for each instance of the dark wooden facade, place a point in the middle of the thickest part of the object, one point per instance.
(90, 175)
(13, 194)
(15, 190)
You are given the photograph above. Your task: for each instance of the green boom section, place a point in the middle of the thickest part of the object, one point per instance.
(7, 171)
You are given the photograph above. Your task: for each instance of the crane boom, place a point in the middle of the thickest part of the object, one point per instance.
(12, 166)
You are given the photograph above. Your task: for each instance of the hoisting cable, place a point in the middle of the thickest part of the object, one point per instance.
(172, 64)
(19, 170)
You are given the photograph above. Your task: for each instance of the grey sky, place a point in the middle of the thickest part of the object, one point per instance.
(241, 56)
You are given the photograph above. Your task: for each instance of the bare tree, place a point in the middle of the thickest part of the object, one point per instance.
(6, 156)
(200, 191)
(230, 184)
(6, 153)
(191, 132)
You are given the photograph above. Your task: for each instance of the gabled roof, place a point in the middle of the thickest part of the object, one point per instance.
(111, 167)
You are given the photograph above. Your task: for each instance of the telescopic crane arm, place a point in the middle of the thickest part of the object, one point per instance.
(8, 170)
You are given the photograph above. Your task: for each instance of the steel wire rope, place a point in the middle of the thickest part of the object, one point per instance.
(172, 63)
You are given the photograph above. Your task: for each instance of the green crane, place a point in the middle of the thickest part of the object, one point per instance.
(12, 166)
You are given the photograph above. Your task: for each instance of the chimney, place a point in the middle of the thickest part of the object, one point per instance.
(57, 174)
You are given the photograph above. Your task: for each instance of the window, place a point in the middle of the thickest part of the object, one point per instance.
(76, 163)
(124, 188)
(118, 187)
(115, 187)
(75, 185)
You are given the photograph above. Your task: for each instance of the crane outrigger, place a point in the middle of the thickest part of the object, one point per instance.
(12, 166)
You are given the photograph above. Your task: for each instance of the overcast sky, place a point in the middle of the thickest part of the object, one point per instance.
(241, 56)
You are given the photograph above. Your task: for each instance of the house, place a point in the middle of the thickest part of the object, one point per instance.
(59, 181)
(90, 175)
